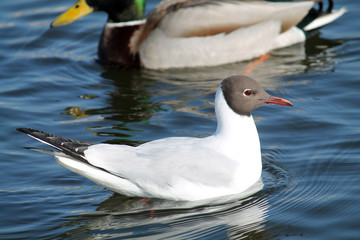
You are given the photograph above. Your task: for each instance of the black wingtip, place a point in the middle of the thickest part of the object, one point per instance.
(26, 130)
(70, 147)
(32, 132)
(21, 129)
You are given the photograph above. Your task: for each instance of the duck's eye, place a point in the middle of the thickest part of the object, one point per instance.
(247, 92)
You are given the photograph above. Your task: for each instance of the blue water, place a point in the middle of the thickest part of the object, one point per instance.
(51, 81)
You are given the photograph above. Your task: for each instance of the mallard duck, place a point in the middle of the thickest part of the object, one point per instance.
(196, 33)
(179, 168)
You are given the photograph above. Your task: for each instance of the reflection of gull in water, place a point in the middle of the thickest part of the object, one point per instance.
(123, 217)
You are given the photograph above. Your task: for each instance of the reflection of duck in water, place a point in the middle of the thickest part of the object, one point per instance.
(126, 100)
(193, 33)
(179, 168)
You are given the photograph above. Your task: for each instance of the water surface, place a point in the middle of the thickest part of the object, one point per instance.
(51, 81)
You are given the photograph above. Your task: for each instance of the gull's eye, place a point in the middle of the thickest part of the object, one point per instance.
(247, 92)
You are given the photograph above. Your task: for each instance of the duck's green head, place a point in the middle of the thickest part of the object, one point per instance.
(117, 10)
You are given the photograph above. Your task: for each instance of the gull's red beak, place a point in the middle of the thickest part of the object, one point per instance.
(278, 101)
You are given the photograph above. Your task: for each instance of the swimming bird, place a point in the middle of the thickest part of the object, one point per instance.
(179, 168)
(197, 33)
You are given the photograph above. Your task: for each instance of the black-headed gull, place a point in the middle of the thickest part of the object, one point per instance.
(179, 168)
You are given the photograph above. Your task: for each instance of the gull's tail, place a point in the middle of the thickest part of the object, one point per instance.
(69, 147)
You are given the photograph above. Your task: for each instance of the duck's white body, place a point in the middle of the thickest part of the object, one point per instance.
(181, 39)
(215, 50)
(180, 168)
(223, 32)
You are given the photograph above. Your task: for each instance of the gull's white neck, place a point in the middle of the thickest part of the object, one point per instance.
(236, 135)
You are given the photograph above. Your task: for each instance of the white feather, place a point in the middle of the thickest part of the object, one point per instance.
(326, 19)
(161, 51)
(99, 176)
(125, 24)
(231, 13)
(290, 37)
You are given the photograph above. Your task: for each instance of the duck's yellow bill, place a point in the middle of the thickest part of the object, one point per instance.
(78, 10)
